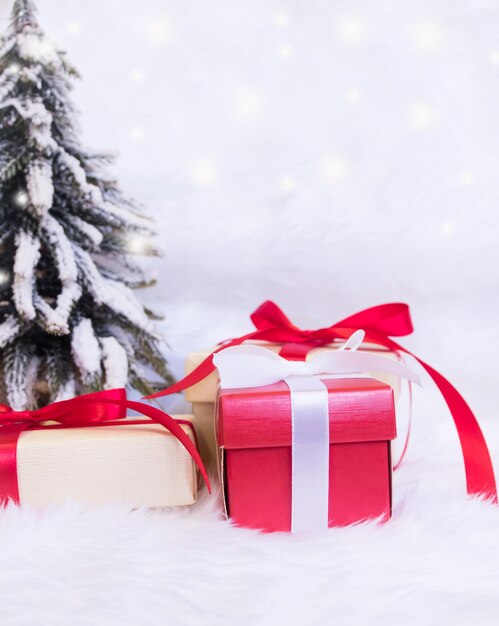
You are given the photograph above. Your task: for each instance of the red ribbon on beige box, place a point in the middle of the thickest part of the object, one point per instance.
(94, 409)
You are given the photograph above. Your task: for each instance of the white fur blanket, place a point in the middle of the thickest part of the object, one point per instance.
(331, 155)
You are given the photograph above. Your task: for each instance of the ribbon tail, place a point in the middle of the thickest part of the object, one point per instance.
(398, 463)
(170, 424)
(204, 369)
(480, 478)
(9, 486)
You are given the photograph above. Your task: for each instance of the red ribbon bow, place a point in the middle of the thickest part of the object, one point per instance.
(380, 323)
(93, 409)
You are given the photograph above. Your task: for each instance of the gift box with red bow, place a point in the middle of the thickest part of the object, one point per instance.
(300, 449)
(87, 450)
(283, 338)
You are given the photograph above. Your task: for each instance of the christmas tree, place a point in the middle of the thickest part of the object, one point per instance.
(69, 321)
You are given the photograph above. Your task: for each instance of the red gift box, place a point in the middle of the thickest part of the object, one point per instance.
(254, 435)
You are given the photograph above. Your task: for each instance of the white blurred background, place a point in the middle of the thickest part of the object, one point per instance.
(329, 155)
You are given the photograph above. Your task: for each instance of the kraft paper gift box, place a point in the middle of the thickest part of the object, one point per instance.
(203, 394)
(254, 433)
(136, 462)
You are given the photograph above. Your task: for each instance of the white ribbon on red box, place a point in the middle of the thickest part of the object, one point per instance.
(247, 366)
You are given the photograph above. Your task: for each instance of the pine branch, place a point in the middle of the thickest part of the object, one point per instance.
(58, 368)
(13, 166)
(15, 361)
(7, 230)
(138, 382)
(153, 315)
(133, 283)
(10, 329)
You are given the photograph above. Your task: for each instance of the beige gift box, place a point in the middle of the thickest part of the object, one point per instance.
(138, 464)
(203, 394)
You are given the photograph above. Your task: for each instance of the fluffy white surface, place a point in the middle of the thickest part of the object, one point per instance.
(332, 156)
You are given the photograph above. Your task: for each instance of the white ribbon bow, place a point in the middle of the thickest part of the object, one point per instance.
(254, 366)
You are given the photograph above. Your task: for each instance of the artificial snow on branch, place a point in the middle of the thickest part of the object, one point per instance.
(89, 274)
(120, 299)
(123, 338)
(33, 46)
(114, 294)
(90, 231)
(7, 85)
(115, 363)
(34, 111)
(127, 217)
(86, 351)
(39, 185)
(56, 320)
(9, 329)
(27, 256)
(49, 318)
(60, 248)
(66, 300)
(71, 163)
(123, 215)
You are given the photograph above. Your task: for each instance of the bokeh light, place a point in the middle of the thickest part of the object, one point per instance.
(351, 30)
(138, 134)
(334, 169)
(423, 116)
(247, 103)
(21, 198)
(427, 37)
(204, 172)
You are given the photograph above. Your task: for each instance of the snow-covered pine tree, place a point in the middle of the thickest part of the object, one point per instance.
(69, 321)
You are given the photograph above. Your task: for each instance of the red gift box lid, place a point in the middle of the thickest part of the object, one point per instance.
(360, 409)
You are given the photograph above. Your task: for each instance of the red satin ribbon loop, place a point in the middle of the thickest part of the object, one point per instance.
(92, 409)
(380, 323)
